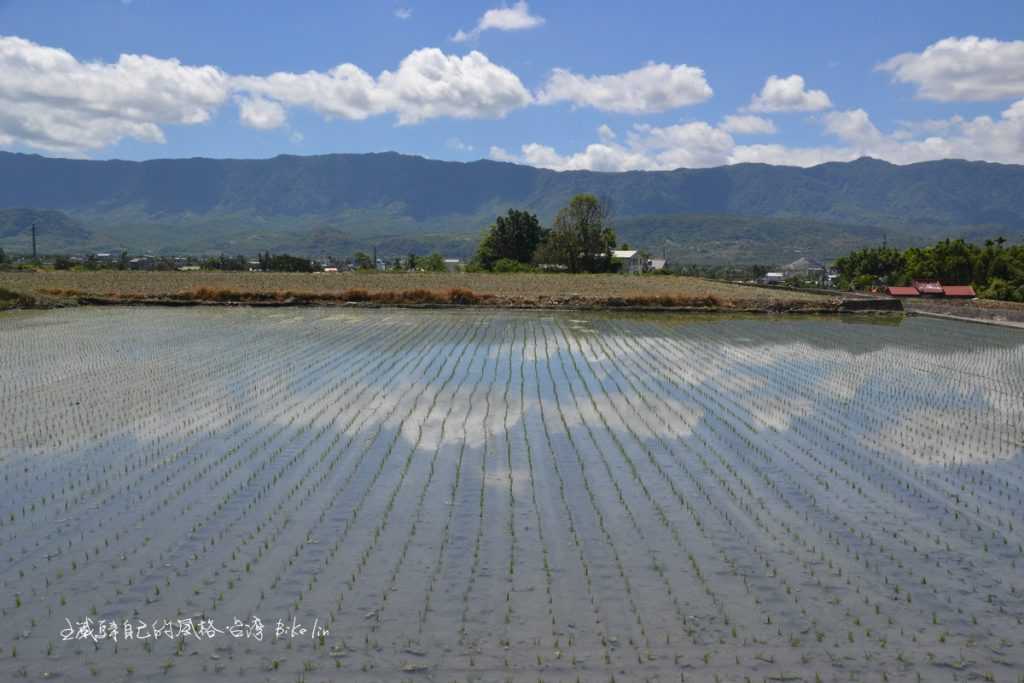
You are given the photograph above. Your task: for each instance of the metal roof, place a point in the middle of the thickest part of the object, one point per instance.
(959, 290)
(904, 291)
(624, 253)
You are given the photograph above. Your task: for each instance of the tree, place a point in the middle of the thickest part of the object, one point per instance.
(995, 270)
(285, 263)
(582, 238)
(433, 263)
(410, 262)
(362, 261)
(514, 236)
(883, 263)
(507, 265)
(3, 257)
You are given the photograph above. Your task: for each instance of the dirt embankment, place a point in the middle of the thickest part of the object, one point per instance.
(985, 310)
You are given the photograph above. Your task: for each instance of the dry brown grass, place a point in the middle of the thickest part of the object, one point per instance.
(15, 299)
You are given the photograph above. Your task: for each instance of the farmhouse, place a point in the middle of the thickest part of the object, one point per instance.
(805, 268)
(628, 260)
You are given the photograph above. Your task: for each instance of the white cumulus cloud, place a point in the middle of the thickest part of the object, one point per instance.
(788, 94)
(427, 84)
(651, 88)
(747, 125)
(52, 101)
(963, 69)
(514, 18)
(698, 144)
(403, 13)
(261, 113)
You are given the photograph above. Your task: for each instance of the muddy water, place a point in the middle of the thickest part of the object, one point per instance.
(493, 495)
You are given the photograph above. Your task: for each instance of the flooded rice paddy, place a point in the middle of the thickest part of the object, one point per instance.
(500, 496)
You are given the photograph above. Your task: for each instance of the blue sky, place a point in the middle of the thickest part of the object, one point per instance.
(605, 86)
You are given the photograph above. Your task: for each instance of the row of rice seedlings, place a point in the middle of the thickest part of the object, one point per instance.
(787, 529)
(658, 510)
(880, 461)
(657, 405)
(637, 417)
(600, 608)
(151, 562)
(146, 463)
(453, 496)
(365, 413)
(724, 484)
(479, 539)
(925, 538)
(634, 630)
(351, 579)
(74, 566)
(442, 401)
(366, 378)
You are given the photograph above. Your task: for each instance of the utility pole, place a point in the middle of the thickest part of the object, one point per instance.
(34, 253)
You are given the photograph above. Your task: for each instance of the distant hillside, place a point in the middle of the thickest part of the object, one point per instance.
(340, 202)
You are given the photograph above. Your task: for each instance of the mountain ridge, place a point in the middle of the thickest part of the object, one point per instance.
(205, 205)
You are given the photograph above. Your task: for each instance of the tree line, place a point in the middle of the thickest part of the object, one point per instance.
(995, 270)
(580, 240)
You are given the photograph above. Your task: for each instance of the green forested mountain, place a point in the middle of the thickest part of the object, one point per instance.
(341, 202)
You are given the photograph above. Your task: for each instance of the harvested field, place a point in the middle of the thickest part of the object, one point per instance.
(488, 495)
(549, 290)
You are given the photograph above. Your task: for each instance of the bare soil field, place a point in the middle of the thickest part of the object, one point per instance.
(338, 494)
(542, 290)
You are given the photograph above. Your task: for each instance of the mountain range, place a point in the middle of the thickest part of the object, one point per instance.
(338, 203)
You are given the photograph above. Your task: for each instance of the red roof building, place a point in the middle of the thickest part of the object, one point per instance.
(965, 291)
(931, 288)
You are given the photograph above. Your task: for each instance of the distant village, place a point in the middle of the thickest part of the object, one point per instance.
(803, 273)
(631, 261)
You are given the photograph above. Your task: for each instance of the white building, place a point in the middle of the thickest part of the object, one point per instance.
(629, 260)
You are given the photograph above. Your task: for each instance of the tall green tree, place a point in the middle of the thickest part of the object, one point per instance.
(885, 263)
(362, 261)
(514, 236)
(582, 238)
(433, 263)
